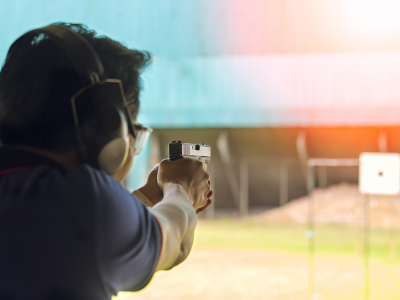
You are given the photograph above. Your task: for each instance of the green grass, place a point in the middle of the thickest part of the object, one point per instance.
(229, 233)
(332, 242)
(332, 239)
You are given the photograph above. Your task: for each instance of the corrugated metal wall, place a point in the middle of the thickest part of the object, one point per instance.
(242, 63)
(274, 90)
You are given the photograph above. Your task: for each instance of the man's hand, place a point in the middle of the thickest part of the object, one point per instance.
(185, 185)
(190, 174)
(209, 201)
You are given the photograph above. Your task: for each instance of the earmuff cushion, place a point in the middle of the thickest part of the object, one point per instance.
(105, 134)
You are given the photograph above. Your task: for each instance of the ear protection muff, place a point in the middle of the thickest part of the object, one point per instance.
(106, 136)
(102, 129)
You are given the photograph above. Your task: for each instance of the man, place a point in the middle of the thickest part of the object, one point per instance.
(69, 230)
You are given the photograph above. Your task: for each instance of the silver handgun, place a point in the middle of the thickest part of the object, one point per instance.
(178, 150)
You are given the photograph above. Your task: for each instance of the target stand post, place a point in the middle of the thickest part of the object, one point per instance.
(310, 234)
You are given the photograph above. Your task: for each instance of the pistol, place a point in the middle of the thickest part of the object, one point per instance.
(178, 150)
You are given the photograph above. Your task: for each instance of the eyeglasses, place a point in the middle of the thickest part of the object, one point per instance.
(142, 134)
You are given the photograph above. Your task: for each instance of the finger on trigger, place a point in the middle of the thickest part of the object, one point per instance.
(208, 190)
(206, 176)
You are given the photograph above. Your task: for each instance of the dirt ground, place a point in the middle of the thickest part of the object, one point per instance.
(340, 203)
(211, 274)
(230, 274)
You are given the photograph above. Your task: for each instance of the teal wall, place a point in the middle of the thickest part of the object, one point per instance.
(237, 63)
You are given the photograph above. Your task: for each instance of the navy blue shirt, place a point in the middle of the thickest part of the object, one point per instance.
(70, 233)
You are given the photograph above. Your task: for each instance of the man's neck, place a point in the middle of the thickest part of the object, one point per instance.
(68, 159)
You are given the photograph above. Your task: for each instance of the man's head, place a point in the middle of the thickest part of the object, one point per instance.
(38, 80)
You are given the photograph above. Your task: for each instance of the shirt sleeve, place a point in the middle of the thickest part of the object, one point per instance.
(128, 237)
(142, 197)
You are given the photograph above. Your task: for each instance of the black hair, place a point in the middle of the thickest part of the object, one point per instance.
(37, 81)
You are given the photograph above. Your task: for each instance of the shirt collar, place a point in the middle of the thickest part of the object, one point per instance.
(18, 159)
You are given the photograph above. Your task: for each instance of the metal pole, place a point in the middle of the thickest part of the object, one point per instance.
(210, 211)
(311, 231)
(322, 177)
(283, 184)
(223, 148)
(393, 238)
(244, 189)
(366, 247)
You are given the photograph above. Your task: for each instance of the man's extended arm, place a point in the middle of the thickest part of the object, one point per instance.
(177, 220)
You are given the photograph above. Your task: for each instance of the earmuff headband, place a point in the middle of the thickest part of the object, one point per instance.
(85, 60)
(82, 55)
(121, 89)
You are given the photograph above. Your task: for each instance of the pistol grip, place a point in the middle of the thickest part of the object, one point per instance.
(175, 157)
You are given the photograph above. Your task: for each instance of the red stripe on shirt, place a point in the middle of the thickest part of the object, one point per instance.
(6, 171)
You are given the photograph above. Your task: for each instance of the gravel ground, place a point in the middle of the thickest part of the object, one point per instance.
(338, 204)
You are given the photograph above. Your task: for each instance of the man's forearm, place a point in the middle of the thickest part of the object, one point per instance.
(178, 220)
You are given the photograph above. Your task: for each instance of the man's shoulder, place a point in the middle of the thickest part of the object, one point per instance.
(45, 181)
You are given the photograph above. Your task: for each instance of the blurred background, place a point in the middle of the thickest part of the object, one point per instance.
(274, 81)
(268, 84)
